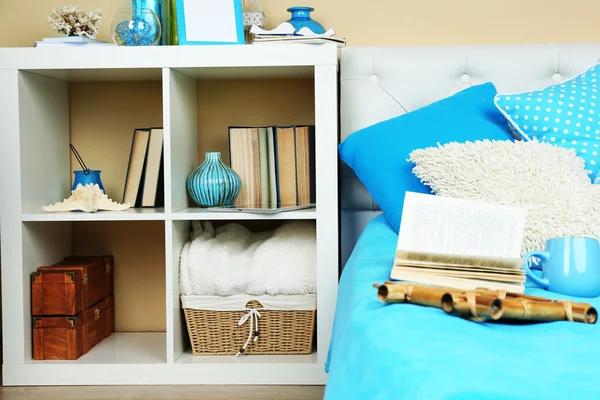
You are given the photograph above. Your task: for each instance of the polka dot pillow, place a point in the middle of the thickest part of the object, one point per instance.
(566, 114)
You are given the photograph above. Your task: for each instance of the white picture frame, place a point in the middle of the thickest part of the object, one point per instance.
(206, 22)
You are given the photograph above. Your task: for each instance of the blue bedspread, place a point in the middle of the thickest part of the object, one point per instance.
(405, 351)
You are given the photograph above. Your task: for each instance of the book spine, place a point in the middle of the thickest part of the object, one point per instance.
(295, 162)
(312, 163)
(275, 133)
(140, 190)
(159, 200)
(128, 165)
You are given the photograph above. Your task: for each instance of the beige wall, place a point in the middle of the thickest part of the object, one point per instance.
(250, 103)
(102, 119)
(374, 22)
(139, 270)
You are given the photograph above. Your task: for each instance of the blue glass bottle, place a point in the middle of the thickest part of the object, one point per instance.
(301, 18)
(214, 184)
(158, 7)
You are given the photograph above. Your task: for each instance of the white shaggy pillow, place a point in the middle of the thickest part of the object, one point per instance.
(548, 181)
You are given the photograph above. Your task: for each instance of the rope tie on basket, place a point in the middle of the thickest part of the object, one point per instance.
(253, 315)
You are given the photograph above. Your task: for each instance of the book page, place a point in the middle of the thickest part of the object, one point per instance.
(457, 283)
(443, 225)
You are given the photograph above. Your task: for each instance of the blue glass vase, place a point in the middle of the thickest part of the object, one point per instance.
(301, 18)
(158, 7)
(87, 176)
(136, 27)
(214, 183)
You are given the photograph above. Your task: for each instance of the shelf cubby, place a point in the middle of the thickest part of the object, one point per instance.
(179, 341)
(98, 118)
(204, 104)
(139, 282)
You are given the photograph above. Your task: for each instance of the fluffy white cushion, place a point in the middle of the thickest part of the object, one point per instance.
(548, 181)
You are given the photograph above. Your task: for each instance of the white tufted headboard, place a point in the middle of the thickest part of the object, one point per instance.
(378, 83)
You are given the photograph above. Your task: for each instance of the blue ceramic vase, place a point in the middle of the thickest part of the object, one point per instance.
(301, 18)
(87, 176)
(214, 184)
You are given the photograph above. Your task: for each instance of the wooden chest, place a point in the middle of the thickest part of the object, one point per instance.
(70, 337)
(71, 286)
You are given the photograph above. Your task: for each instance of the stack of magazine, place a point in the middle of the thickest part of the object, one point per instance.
(286, 33)
(462, 244)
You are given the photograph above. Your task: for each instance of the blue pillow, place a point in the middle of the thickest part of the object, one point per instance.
(565, 114)
(378, 154)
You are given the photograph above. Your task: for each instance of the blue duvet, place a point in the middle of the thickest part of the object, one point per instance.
(405, 351)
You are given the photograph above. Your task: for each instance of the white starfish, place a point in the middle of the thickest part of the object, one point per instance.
(88, 198)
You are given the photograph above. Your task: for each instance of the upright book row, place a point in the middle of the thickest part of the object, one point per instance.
(276, 165)
(144, 179)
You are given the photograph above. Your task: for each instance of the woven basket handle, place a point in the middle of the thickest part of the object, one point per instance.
(259, 307)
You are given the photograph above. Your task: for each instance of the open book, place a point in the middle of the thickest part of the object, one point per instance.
(459, 243)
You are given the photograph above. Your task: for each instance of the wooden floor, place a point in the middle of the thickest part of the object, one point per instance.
(164, 392)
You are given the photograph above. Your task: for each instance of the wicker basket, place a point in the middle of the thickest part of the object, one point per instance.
(280, 331)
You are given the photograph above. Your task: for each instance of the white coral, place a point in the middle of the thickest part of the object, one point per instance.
(73, 21)
(88, 198)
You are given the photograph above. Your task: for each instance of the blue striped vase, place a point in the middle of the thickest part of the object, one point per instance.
(214, 183)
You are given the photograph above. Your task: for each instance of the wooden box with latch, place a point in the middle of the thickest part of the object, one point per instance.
(71, 286)
(70, 337)
(72, 306)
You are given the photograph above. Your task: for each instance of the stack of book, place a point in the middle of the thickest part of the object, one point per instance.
(286, 33)
(462, 244)
(70, 41)
(144, 179)
(275, 163)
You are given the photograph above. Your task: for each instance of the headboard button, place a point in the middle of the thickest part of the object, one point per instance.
(556, 77)
(465, 78)
(374, 79)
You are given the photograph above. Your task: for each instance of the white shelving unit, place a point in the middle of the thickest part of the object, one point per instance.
(36, 170)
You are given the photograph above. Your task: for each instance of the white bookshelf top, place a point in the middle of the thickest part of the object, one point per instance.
(158, 214)
(133, 214)
(143, 63)
(188, 358)
(202, 214)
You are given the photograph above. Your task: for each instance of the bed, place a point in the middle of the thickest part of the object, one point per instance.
(404, 351)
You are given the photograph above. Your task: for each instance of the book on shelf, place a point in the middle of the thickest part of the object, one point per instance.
(286, 33)
(245, 159)
(275, 165)
(144, 178)
(286, 172)
(153, 184)
(340, 42)
(458, 243)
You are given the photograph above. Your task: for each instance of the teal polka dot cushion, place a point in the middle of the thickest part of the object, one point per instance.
(566, 114)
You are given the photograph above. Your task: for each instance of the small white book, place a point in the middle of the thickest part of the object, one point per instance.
(70, 39)
(464, 244)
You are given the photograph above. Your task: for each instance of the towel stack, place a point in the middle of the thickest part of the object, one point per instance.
(233, 260)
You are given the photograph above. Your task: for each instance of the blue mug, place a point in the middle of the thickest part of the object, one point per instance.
(569, 266)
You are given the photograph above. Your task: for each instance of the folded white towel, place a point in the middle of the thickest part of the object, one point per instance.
(232, 260)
